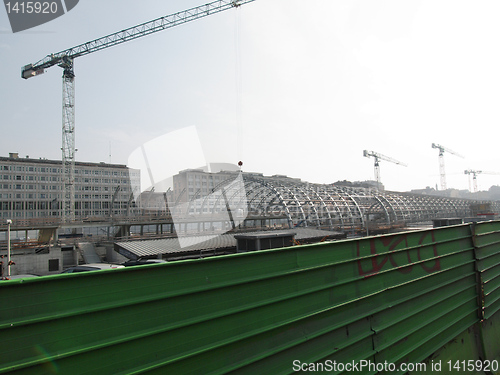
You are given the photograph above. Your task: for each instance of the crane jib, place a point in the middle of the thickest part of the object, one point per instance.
(131, 33)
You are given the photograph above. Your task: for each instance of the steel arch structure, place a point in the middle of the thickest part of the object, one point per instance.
(334, 207)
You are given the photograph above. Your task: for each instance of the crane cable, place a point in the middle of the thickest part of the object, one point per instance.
(238, 82)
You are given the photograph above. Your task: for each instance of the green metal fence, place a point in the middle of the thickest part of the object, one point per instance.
(397, 299)
(486, 237)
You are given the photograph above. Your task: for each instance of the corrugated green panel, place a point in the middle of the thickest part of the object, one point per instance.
(463, 347)
(490, 261)
(491, 337)
(390, 297)
(408, 338)
(418, 310)
(410, 331)
(491, 291)
(486, 237)
(487, 227)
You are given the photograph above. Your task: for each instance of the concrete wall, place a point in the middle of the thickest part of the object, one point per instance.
(37, 264)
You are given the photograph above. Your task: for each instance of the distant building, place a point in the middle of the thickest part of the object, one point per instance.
(218, 190)
(369, 184)
(32, 188)
(192, 183)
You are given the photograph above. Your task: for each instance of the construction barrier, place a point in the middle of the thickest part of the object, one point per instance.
(412, 302)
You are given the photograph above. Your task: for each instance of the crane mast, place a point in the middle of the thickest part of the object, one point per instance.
(442, 174)
(65, 60)
(474, 178)
(68, 140)
(474, 174)
(377, 157)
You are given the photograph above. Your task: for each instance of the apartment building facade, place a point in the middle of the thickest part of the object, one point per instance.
(33, 188)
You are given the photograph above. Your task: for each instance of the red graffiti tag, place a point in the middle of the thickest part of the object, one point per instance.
(390, 244)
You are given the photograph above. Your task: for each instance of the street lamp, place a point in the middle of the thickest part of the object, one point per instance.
(9, 222)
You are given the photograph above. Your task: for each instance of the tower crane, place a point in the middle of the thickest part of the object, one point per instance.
(474, 177)
(65, 60)
(377, 157)
(441, 162)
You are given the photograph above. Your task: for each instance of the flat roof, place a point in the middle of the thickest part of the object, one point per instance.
(59, 162)
(172, 246)
(264, 234)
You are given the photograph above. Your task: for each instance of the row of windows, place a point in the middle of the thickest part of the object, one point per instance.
(59, 187)
(205, 177)
(48, 213)
(124, 197)
(205, 210)
(29, 178)
(20, 168)
(204, 183)
(96, 172)
(29, 187)
(53, 205)
(57, 178)
(101, 180)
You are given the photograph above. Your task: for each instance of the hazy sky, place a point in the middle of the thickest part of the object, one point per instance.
(293, 87)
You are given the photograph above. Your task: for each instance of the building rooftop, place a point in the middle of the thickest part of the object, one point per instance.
(171, 246)
(15, 157)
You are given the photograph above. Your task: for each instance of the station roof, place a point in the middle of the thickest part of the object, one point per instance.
(135, 249)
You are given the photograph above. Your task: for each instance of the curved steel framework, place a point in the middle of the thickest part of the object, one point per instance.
(338, 207)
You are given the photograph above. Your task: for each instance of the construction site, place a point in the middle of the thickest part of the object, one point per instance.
(292, 274)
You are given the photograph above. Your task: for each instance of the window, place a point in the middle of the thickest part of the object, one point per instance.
(53, 265)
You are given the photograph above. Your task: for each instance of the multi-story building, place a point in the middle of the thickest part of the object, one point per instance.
(33, 188)
(211, 191)
(190, 184)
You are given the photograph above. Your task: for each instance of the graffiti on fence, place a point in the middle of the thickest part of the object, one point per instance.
(398, 251)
